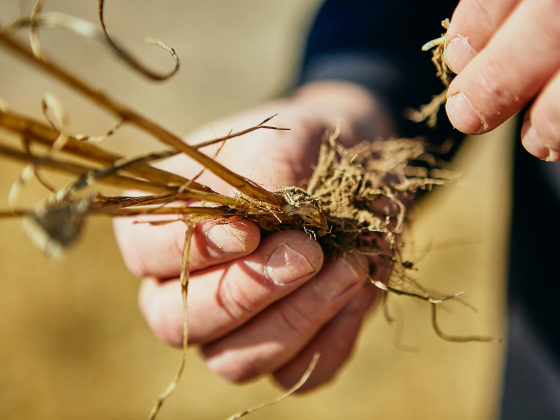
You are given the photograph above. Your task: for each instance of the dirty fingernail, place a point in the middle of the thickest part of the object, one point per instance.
(285, 266)
(459, 53)
(533, 143)
(227, 239)
(462, 114)
(342, 274)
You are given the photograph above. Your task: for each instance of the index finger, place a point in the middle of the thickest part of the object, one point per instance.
(515, 65)
(156, 251)
(472, 25)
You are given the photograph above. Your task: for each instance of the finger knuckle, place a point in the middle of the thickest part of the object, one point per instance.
(550, 23)
(294, 322)
(478, 9)
(494, 92)
(235, 301)
(473, 21)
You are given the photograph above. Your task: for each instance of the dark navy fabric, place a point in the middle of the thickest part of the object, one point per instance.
(532, 374)
(377, 44)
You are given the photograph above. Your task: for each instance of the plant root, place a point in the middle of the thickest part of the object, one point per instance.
(429, 111)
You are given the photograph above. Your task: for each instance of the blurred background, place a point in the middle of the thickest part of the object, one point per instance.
(72, 341)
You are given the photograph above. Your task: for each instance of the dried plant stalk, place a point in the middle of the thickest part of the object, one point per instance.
(184, 293)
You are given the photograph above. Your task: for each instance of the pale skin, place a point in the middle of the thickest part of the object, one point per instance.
(258, 304)
(507, 53)
(263, 305)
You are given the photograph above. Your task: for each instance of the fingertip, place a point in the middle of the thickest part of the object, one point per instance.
(534, 144)
(463, 116)
(234, 236)
(458, 53)
(310, 247)
(290, 256)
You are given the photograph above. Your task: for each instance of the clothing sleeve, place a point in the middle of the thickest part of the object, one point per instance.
(377, 44)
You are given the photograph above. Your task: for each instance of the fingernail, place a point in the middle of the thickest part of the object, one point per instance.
(459, 53)
(343, 274)
(533, 143)
(228, 240)
(462, 114)
(285, 266)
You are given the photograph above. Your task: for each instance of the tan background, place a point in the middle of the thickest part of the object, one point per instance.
(72, 342)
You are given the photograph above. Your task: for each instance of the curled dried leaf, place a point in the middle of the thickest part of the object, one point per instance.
(25, 176)
(55, 114)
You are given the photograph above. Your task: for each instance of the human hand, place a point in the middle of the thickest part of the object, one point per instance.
(507, 53)
(260, 305)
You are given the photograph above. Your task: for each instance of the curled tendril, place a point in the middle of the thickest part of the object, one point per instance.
(134, 63)
(34, 32)
(88, 30)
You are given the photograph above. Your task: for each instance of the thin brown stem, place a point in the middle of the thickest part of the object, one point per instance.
(455, 338)
(184, 292)
(240, 133)
(120, 212)
(8, 214)
(133, 62)
(38, 132)
(118, 180)
(200, 211)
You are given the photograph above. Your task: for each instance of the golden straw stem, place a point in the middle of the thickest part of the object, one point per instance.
(158, 210)
(104, 211)
(118, 180)
(37, 131)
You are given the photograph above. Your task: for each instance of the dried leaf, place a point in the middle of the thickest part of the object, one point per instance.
(55, 228)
